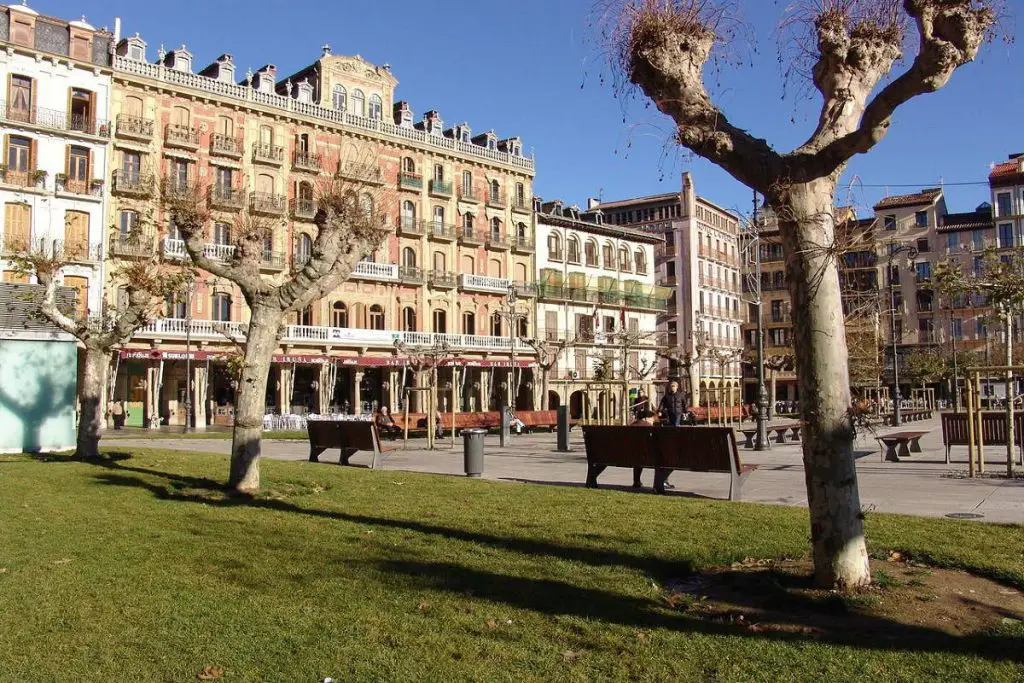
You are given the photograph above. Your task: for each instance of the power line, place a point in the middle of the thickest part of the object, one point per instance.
(928, 184)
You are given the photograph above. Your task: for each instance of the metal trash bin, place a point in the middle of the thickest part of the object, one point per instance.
(473, 451)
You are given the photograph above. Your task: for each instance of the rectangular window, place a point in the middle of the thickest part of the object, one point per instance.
(1004, 204)
(952, 241)
(17, 226)
(609, 323)
(22, 102)
(225, 177)
(924, 271)
(922, 245)
(19, 155)
(131, 165)
(890, 222)
(977, 239)
(78, 169)
(1006, 234)
(551, 324)
(921, 219)
(80, 111)
(956, 328)
(179, 174)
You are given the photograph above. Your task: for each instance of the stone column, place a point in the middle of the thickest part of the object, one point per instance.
(284, 392)
(486, 376)
(394, 388)
(357, 393)
(325, 390)
(200, 388)
(152, 395)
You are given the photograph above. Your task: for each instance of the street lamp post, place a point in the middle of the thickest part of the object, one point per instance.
(188, 357)
(761, 440)
(895, 249)
(513, 317)
(956, 371)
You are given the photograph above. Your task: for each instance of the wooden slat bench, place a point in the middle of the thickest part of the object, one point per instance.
(697, 449)
(993, 430)
(905, 442)
(349, 436)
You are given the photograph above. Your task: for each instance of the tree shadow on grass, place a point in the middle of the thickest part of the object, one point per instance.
(554, 597)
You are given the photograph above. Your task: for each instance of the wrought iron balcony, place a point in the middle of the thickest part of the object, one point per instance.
(522, 205)
(410, 181)
(362, 173)
(77, 252)
(54, 119)
(267, 203)
(230, 198)
(307, 161)
(468, 194)
(266, 153)
(496, 199)
(303, 208)
(410, 275)
(471, 237)
(440, 188)
(131, 245)
(442, 279)
(186, 137)
(497, 241)
(272, 260)
(442, 232)
(522, 245)
(134, 127)
(226, 145)
(132, 183)
(411, 227)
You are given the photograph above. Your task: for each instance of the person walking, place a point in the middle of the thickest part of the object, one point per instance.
(673, 405)
(117, 411)
(642, 406)
(644, 419)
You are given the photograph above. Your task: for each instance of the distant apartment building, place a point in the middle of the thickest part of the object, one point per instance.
(261, 142)
(54, 119)
(597, 287)
(700, 263)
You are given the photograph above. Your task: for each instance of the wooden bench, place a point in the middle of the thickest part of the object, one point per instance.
(697, 449)
(993, 430)
(908, 416)
(906, 442)
(750, 433)
(780, 431)
(347, 435)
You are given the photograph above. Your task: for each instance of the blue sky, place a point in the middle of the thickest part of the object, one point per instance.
(534, 69)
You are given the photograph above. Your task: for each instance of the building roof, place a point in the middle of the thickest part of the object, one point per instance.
(649, 199)
(979, 219)
(898, 200)
(19, 306)
(1008, 172)
(605, 229)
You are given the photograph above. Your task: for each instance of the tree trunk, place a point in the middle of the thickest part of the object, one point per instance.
(771, 396)
(91, 403)
(1010, 436)
(250, 399)
(807, 226)
(544, 388)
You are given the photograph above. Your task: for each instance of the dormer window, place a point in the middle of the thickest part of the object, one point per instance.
(179, 60)
(358, 102)
(137, 52)
(376, 107)
(305, 91)
(133, 48)
(227, 71)
(339, 97)
(492, 144)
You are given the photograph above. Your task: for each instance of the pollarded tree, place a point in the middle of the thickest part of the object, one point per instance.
(143, 287)
(350, 220)
(549, 352)
(663, 47)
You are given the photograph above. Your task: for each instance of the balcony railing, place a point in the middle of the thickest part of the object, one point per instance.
(132, 183)
(307, 161)
(558, 255)
(267, 203)
(471, 237)
(226, 145)
(522, 204)
(304, 208)
(363, 173)
(442, 231)
(410, 275)
(272, 260)
(497, 241)
(53, 119)
(384, 272)
(484, 283)
(175, 248)
(179, 327)
(134, 127)
(411, 227)
(181, 136)
(496, 199)
(267, 153)
(442, 279)
(78, 186)
(131, 245)
(410, 181)
(594, 296)
(440, 188)
(523, 245)
(230, 198)
(78, 252)
(526, 289)
(468, 194)
(20, 178)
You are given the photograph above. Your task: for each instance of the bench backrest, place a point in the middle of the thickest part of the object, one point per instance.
(343, 434)
(993, 428)
(620, 445)
(702, 449)
(954, 429)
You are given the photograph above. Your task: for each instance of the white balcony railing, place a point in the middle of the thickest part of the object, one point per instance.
(175, 248)
(209, 329)
(387, 272)
(484, 283)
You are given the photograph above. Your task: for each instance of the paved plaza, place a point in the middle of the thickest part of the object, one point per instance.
(922, 484)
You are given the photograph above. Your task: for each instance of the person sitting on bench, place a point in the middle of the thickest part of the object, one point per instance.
(385, 423)
(645, 419)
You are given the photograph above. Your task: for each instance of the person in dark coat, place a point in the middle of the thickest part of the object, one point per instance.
(673, 407)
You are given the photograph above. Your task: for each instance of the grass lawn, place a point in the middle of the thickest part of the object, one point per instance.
(111, 436)
(141, 570)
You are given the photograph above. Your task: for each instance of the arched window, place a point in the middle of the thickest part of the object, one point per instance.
(496, 227)
(225, 126)
(573, 250)
(496, 324)
(590, 253)
(222, 307)
(624, 260)
(408, 319)
(408, 165)
(439, 218)
(495, 191)
(440, 262)
(440, 321)
(608, 255)
(305, 192)
(221, 233)
(468, 264)
(467, 224)
(176, 307)
(522, 329)
(339, 97)
(409, 257)
(521, 233)
(376, 317)
(555, 247)
(129, 223)
(640, 261)
(366, 205)
(408, 214)
(303, 249)
(358, 102)
(468, 323)
(376, 107)
(495, 268)
(265, 183)
(304, 316)
(339, 314)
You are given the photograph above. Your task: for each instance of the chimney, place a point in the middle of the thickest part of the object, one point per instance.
(117, 30)
(592, 203)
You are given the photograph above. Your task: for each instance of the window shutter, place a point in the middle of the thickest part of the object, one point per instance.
(93, 126)
(32, 100)
(7, 154)
(31, 157)
(67, 160)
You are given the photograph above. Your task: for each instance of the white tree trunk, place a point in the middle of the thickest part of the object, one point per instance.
(1010, 436)
(771, 396)
(807, 226)
(250, 399)
(91, 403)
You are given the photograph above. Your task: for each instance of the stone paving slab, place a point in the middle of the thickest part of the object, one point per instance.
(922, 484)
